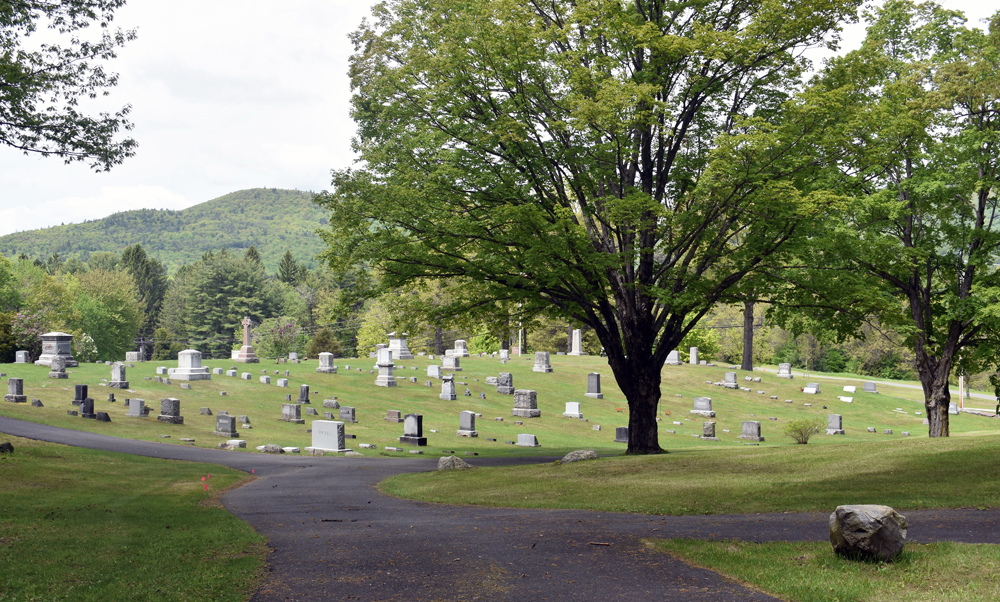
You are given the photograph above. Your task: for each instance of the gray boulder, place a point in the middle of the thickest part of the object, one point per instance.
(271, 448)
(580, 454)
(867, 531)
(453, 463)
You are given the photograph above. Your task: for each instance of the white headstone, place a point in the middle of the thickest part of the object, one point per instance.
(576, 344)
(693, 360)
(572, 410)
(542, 362)
(673, 358)
(189, 366)
(328, 436)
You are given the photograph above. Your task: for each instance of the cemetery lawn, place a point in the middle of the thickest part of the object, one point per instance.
(908, 473)
(811, 572)
(81, 524)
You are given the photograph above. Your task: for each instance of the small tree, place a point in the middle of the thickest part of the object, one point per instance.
(84, 348)
(801, 430)
(323, 341)
(275, 337)
(27, 328)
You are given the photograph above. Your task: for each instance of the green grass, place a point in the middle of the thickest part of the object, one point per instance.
(811, 572)
(557, 435)
(80, 524)
(905, 474)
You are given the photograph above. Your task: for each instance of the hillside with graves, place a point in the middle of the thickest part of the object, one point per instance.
(273, 220)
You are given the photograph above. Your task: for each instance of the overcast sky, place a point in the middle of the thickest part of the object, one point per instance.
(225, 95)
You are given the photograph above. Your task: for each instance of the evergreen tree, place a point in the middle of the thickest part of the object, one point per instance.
(252, 255)
(288, 270)
(151, 282)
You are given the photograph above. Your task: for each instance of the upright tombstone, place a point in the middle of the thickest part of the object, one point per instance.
(118, 376)
(225, 426)
(870, 387)
(467, 424)
(693, 360)
(57, 344)
(57, 367)
(594, 386)
(527, 440)
(834, 424)
(413, 430)
(730, 382)
(293, 357)
(170, 411)
(526, 404)
(673, 358)
(394, 416)
(505, 384)
(303, 394)
(246, 354)
(136, 408)
(572, 410)
(326, 363)
(87, 409)
(434, 371)
(505, 354)
(397, 344)
(576, 343)
(751, 431)
(79, 394)
(328, 436)
(347, 414)
(292, 412)
(953, 408)
(448, 389)
(708, 431)
(461, 349)
(451, 363)
(542, 362)
(703, 407)
(15, 391)
(385, 366)
(21, 357)
(621, 434)
(785, 371)
(133, 356)
(189, 366)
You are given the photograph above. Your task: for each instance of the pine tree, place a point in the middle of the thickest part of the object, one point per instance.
(151, 281)
(252, 255)
(288, 270)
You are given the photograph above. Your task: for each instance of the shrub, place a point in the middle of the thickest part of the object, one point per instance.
(323, 341)
(801, 430)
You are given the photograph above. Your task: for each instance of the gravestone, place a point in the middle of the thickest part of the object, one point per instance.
(708, 431)
(572, 410)
(461, 349)
(303, 394)
(326, 363)
(189, 366)
(673, 358)
(327, 436)
(136, 408)
(576, 343)
(693, 359)
(451, 364)
(231, 373)
(185, 386)
(870, 387)
(811, 389)
(79, 394)
(953, 408)
(751, 431)
(15, 391)
(162, 370)
(621, 434)
(542, 362)
(703, 407)
(21, 357)
(505, 354)
(784, 371)
(850, 389)
(265, 380)
(394, 416)
(397, 344)
(133, 356)
(834, 424)
(730, 382)
(527, 440)
(57, 344)
(505, 384)
(293, 357)
(331, 403)
(246, 354)
(448, 389)
(467, 424)
(467, 393)
(170, 411)
(205, 411)
(492, 380)
(282, 382)
(312, 412)
(594, 386)
(413, 430)
(385, 366)
(225, 426)
(434, 371)
(87, 409)
(526, 404)
(57, 367)
(245, 375)
(347, 414)
(292, 412)
(218, 371)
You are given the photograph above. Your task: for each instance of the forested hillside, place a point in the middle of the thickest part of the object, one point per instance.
(270, 219)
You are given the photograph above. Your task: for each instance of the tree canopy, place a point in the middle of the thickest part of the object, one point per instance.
(623, 165)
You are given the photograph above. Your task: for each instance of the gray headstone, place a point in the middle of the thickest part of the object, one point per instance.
(525, 404)
(751, 431)
(621, 434)
(505, 384)
(594, 386)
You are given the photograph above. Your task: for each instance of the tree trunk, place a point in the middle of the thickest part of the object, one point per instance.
(643, 395)
(437, 340)
(937, 398)
(747, 336)
(569, 339)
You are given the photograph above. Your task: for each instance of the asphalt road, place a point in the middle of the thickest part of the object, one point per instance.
(335, 537)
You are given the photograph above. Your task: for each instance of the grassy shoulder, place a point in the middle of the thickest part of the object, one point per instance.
(81, 524)
(905, 474)
(811, 572)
